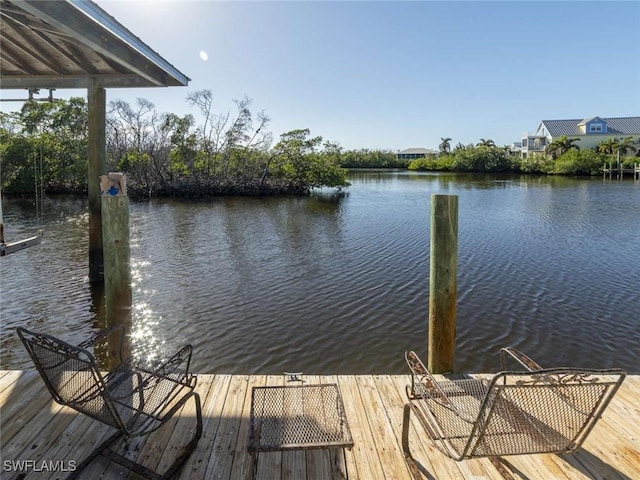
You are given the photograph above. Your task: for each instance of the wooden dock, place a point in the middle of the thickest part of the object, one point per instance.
(619, 172)
(34, 428)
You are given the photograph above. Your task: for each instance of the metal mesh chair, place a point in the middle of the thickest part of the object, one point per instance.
(514, 413)
(134, 398)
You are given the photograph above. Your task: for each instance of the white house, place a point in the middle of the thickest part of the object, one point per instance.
(413, 153)
(590, 132)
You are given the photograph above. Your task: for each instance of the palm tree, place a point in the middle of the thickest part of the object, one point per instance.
(561, 146)
(445, 146)
(607, 146)
(486, 143)
(624, 145)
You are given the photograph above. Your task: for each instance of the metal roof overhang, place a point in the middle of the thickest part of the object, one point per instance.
(75, 44)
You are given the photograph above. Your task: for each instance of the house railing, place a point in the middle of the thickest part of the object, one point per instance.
(536, 147)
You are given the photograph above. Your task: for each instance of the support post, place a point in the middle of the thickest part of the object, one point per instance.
(117, 252)
(97, 166)
(442, 283)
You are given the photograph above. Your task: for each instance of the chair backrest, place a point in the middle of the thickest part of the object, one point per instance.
(542, 411)
(71, 376)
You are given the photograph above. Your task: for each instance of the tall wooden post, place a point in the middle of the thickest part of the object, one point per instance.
(117, 253)
(442, 283)
(97, 166)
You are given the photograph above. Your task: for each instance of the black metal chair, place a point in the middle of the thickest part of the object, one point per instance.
(135, 398)
(514, 413)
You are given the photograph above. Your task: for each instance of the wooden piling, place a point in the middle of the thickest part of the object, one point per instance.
(97, 166)
(442, 283)
(117, 254)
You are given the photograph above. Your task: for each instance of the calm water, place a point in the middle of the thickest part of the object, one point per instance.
(339, 284)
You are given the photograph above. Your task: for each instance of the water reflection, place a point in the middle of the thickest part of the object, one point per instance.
(338, 283)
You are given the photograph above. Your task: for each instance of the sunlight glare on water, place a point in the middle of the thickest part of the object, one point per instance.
(339, 283)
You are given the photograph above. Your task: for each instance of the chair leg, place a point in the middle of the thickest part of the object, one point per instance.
(192, 443)
(501, 467)
(145, 472)
(411, 463)
(104, 446)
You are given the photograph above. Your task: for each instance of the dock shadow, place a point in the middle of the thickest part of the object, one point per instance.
(583, 458)
(416, 468)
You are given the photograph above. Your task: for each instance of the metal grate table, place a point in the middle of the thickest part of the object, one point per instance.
(297, 417)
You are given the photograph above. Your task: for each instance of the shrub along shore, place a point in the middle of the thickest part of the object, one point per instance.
(44, 146)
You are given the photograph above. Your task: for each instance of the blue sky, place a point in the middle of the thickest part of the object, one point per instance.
(394, 75)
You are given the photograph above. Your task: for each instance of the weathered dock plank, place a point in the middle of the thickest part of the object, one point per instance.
(34, 428)
(8, 378)
(223, 449)
(365, 455)
(213, 404)
(241, 464)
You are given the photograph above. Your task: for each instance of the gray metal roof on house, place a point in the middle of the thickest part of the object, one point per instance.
(418, 150)
(617, 125)
(587, 120)
(72, 44)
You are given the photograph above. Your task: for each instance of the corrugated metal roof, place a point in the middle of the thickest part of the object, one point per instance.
(587, 120)
(616, 125)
